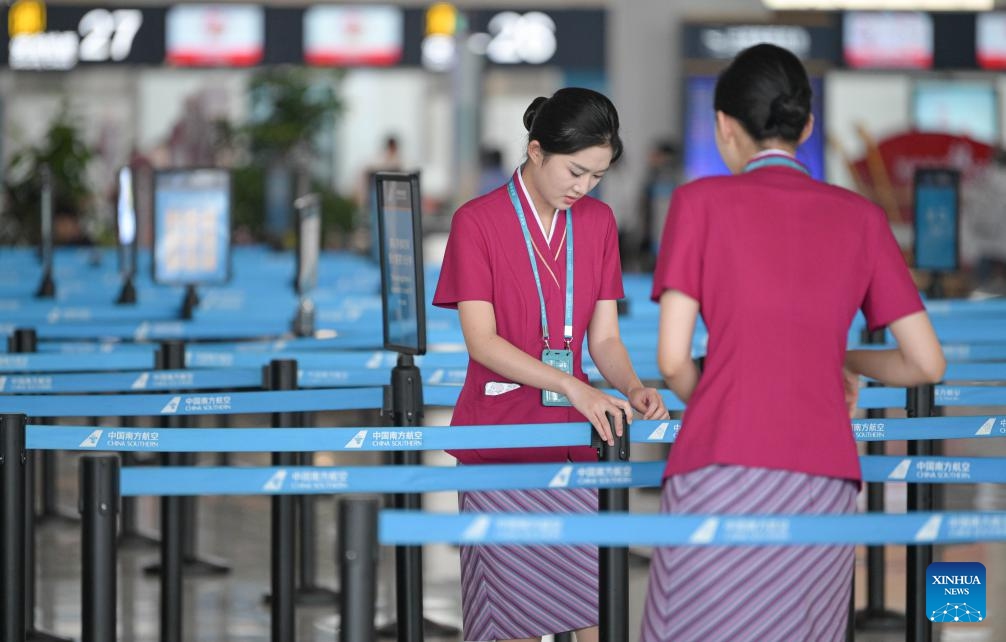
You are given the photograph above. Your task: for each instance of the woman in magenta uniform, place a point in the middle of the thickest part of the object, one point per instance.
(778, 264)
(533, 269)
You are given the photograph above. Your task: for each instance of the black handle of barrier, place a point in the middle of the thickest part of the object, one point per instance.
(920, 403)
(13, 458)
(99, 507)
(171, 356)
(357, 555)
(614, 560)
(282, 375)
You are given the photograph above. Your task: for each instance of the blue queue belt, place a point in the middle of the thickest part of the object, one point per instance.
(428, 479)
(198, 379)
(414, 528)
(220, 403)
(385, 439)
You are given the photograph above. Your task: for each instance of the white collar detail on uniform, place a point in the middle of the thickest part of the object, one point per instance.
(771, 152)
(547, 235)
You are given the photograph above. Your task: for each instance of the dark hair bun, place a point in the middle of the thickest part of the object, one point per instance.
(532, 111)
(766, 88)
(788, 115)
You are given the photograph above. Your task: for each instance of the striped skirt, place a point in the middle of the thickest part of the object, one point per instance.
(762, 594)
(527, 591)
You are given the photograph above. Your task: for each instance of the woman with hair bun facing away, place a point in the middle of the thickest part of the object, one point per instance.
(533, 268)
(778, 264)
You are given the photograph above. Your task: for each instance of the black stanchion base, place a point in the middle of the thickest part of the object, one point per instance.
(197, 566)
(880, 620)
(56, 518)
(34, 635)
(310, 596)
(430, 629)
(136, 539)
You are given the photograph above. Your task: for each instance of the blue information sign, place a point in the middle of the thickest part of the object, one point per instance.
(401, 246)
(937, 220)
(192, 211)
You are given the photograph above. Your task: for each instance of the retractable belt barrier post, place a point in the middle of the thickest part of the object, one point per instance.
(407, 411)
(309, 592)
(130, 534)
(171, 355)
(282, 375)
(918, 628)
(876, 616)
(357, 555)
(614, 561)
(24, 340)
(99, 506)
(13, 625)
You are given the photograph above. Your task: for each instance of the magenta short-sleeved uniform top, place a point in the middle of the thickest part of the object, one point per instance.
(486, 260)
(780, 264)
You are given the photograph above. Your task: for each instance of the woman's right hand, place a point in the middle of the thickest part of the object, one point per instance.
(596, 405)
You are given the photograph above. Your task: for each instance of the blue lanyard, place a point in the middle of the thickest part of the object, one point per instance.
(568, 326)
(776, 161)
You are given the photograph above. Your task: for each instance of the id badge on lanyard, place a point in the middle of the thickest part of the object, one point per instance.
(561, 359)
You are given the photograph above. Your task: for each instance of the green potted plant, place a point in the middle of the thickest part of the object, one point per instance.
(66, 154)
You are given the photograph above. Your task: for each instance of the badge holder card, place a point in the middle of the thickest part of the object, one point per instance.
(560, 360)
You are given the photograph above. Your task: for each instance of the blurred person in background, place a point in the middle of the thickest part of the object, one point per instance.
(778, 264)
(491, 173)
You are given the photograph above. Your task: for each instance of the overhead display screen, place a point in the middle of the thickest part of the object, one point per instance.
(349, 35)
(990, 40)
(231, 35)
(887, 40)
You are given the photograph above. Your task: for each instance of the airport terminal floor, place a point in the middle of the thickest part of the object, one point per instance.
(230, 608)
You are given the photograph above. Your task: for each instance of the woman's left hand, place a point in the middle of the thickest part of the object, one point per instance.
(648, 403)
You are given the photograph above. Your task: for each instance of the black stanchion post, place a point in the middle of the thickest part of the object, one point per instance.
(130, 534)
(406, 406)
(282, 375)
(13, 473)
(24, 340)
(190, 302)
(99, 505)
(920, 403)
(47, 287)
(309, 592)
(407, 410)
(127, 295)
(876, 616)
(614, 561)
(357, 555)
(171, 356)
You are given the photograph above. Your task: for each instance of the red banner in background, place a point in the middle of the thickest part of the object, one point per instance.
(886, 172)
